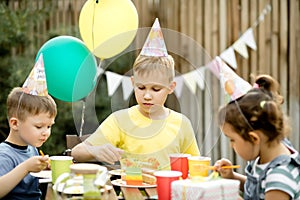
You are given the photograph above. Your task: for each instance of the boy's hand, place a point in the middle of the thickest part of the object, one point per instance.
(225, 173)
(37, 163)
(107, 153)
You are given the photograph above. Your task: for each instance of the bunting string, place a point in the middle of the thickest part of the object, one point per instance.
(195, 78)
(261, 17)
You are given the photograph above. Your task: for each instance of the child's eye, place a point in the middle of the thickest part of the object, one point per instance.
(156, 89)
(38, 127)
(141, 87)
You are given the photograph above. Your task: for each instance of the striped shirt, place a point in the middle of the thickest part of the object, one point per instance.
(285, 177)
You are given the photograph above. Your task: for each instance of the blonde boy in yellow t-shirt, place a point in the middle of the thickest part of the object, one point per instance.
(149, 131)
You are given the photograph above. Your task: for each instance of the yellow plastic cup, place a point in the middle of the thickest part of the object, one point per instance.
(60, 165)
(198, 166)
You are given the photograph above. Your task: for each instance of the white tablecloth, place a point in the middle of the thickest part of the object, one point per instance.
(223, 189)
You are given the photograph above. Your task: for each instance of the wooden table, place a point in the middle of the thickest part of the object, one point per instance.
(138, 193)
(117, 193)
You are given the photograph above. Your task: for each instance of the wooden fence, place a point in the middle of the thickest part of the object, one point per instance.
(216, 25)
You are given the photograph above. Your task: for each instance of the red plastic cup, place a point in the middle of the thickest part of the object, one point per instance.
(179, 162)
(163, 181)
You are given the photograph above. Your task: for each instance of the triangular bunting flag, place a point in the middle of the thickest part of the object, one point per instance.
(113, 82)
(98, 73)
(189, 79)
(214, 67)
(229, 57)
(248, 38)
(126, 87)
(179, 85)
(241, 48)
(199, 75)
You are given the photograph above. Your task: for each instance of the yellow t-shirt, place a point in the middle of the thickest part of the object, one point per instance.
(148, 141)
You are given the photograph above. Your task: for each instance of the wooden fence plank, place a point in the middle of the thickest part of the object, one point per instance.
(224, 148)
(283, 51)
(275, 40)
(253, 55)
(244, 26)
(261, 41)
(267, 36)
(294, 82)
(208, 107)
(214, 133)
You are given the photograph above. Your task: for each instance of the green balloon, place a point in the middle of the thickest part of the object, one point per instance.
(70, 68)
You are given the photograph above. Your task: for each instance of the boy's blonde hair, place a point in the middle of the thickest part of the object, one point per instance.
(145, 65)
(21, 105)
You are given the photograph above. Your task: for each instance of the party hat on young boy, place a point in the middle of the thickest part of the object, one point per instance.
(155, 44)
(35, 83)
(234, 86)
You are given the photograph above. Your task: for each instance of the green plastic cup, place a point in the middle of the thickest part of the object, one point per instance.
(60, 165)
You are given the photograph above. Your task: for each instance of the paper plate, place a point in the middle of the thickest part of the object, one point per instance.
(116, 172)
(121, 183)
(76, 190)
(42, 174)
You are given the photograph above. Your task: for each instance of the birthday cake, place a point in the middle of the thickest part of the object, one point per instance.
(134, 176)
(208, 190)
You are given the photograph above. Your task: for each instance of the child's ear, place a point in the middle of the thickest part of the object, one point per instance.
(13, 123)
(172, 87)
(254, 137)
(132, 80)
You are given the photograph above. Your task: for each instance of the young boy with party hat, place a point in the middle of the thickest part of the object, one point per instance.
(149, 131)
(31, 113)
(254, 122)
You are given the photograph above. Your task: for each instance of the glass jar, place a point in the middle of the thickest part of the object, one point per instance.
(83, 182)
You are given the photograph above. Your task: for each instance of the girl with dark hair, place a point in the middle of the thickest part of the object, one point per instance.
(257, 129)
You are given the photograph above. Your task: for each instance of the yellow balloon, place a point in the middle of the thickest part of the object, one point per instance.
(108, 27)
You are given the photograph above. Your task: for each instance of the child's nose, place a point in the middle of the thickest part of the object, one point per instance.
(46, 131)
(147, 95)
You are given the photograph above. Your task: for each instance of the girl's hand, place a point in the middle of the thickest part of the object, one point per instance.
(225, 173)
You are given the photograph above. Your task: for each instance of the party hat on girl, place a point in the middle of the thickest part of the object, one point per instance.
(155, 44)
(234, 86)
(35, 84)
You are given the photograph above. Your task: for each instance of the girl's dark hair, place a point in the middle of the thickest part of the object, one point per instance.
(259, 109)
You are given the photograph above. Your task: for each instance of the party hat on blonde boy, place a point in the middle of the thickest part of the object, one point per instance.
(35, 84)
(155, 44)
(234, 86)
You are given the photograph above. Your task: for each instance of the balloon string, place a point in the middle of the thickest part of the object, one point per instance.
(82, 117)
(98, 72)
(93, 24)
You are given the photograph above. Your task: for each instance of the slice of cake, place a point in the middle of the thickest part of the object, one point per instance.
(134, 176)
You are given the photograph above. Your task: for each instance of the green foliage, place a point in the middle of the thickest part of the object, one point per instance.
(15, 31)
(16, 39)
(18, 48)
